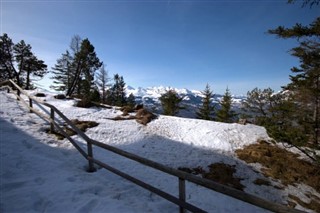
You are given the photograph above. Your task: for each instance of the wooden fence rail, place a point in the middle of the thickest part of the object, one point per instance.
(182, 177)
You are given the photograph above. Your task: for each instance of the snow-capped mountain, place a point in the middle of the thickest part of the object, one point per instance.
(192, 99)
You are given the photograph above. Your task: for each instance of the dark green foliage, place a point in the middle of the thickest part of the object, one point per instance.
(62, 72)
(95, 95)
(17, 62)
(117, 95)
(74, 72)
(131, 101)
(85, 63)
(225, 114)
(7, 69)
(170, 102)
(305, 81)
(206, 111)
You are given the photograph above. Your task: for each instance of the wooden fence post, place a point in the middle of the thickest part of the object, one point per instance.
(52, 118)
(18, 93)
(30, 104)
(182, 193)
(90, 156)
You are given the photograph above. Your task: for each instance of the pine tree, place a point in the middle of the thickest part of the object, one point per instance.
(118, 92)
(305, 81)
(17, 62)
(65, 68)
(22, 52)
(7, 69)
(34, 68)
(131, 101)
(62, 73)
(84, 65)
(225, 114)
(170, 102)
(207, 109)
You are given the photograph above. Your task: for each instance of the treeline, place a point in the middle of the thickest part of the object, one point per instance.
(78, 72)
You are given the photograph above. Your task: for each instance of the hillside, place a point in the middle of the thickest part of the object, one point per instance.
(43, 174)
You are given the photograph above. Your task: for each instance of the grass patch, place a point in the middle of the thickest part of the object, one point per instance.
(224, 174)
(82, 125)
(218, 172)
(281, 164)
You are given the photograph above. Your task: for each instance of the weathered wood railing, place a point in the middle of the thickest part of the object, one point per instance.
(182, 176)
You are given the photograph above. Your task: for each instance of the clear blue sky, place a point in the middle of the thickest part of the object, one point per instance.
(183, 44)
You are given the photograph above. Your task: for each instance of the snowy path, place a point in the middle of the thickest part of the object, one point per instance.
(41, 174)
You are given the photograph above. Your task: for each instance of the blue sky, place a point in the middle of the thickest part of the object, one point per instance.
(183, 44)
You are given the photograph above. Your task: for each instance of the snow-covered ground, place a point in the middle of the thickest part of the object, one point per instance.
(42, 174)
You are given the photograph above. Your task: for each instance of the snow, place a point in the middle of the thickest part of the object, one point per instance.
(42, 174)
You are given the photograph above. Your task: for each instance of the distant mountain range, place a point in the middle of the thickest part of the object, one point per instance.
(192, 99)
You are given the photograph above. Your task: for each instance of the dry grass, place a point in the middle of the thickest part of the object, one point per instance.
(281, 164)
(142, 116)
(224, 174)
(218, 172)
(82, 125)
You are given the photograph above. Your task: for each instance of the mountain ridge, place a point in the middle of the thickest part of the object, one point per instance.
(192, 99)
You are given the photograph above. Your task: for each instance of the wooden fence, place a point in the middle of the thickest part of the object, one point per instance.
(182, 177)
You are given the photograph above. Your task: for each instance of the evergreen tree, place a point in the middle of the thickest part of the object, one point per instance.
(207, 109)
(35, 68)
(102, 80)
(305, 81)
(225, 114)
(84, 65)
(277, 113)
(22, 52)
(7, 68)
(62, 73)
(118, 92)
(17, 62)
(170, 102)
(65, 68)
(131, 101)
